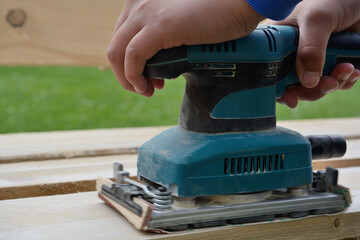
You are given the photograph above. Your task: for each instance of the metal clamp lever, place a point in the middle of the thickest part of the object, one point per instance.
(161, 198)
(322, 180)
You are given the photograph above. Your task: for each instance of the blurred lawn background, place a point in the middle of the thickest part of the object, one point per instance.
(67, 98)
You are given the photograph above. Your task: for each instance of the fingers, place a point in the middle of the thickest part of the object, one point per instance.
(116, 52)
(352, 80)
(270, 22)
(289, 98)
(294, 94)
(123, 16)
(119, 22)
(142, 47)
(355, 27)
(316, 23)
(315, 30)
(127, 53)
(348, 80)
(345, 74)
(158, 83)
(326, 85)
(288, 21)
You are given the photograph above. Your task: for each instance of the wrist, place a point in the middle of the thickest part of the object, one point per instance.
(247, 16)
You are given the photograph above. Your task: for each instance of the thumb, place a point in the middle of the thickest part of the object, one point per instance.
(355, 27)
(310, 59)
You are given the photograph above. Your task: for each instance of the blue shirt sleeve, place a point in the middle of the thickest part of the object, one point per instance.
(273, 9)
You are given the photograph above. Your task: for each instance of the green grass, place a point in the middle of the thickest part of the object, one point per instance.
(54, 98)
(66, 98)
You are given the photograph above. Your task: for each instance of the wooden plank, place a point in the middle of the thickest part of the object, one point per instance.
(347, 127)
(41, 178)
(85, 143)
(17, 147)
(336, 163)
(84, 216)
(68, 175)
(51, 32)
(31, 179)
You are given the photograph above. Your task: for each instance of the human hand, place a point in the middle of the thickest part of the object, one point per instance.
(316, 21)
(145, 27)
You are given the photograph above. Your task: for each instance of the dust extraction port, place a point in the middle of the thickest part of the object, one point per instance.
(327, 146)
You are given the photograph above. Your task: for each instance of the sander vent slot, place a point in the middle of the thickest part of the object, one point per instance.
(271, 40)
(229, 46)
(253, 164)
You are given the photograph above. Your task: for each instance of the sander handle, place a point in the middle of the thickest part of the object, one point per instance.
(171, 63)
(233, 86)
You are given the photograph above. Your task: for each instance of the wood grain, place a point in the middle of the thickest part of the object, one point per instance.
(84, 216)
(18, 147)
(32, 179)
(67, 32)
(87, 143)
(336, 163)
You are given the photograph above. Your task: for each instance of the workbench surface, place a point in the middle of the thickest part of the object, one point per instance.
(47, 187)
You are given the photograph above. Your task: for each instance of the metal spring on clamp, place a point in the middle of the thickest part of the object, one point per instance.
(163, 201)
(161, 197)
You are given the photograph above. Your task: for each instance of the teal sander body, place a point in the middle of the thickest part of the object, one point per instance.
(227, 140)
(227, 162)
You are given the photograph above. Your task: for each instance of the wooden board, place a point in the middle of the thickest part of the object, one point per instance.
(18, 147)
(85, 143)
(31, 179)
(52, 32)
(21, 178)
(84, 216)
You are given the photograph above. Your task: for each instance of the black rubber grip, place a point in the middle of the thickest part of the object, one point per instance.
(327, 146)
(345, 41)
